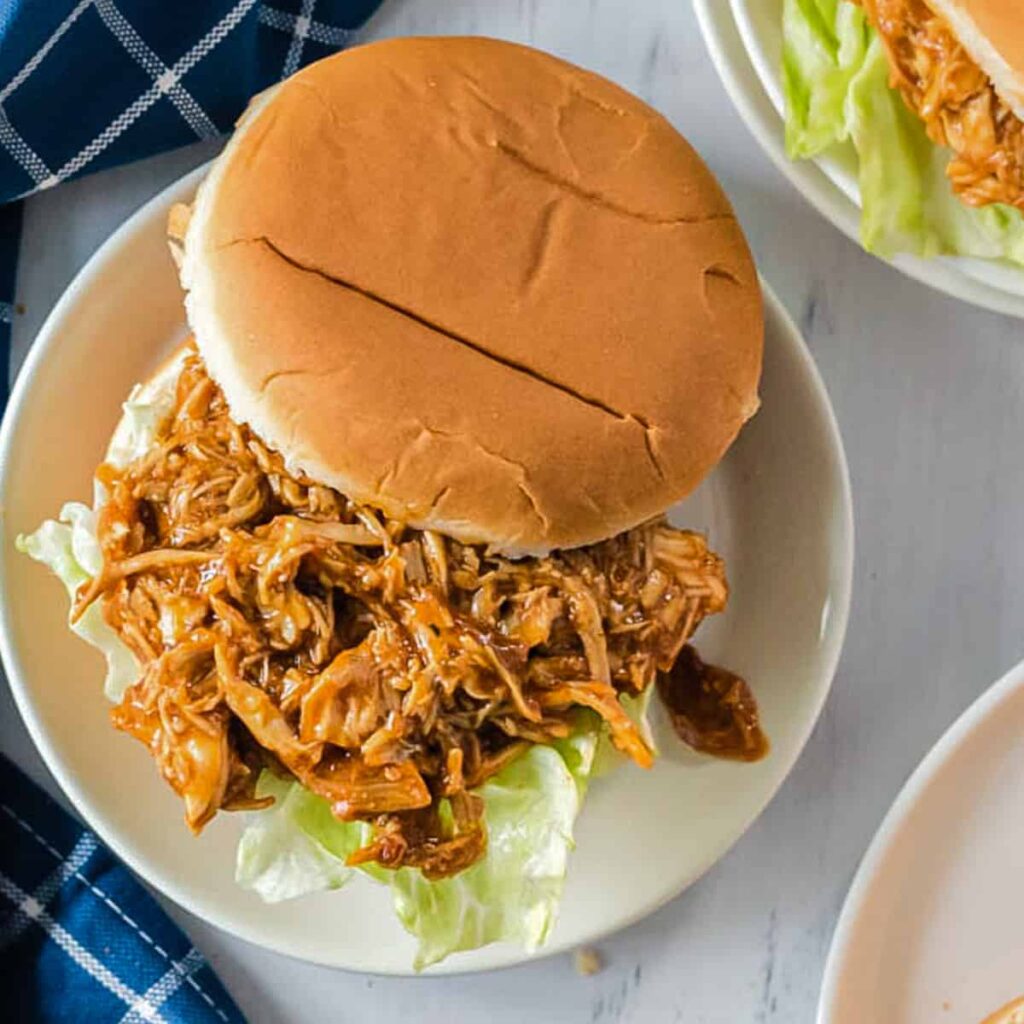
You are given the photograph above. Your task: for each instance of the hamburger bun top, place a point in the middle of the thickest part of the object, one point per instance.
(992, 32)
(478, 288)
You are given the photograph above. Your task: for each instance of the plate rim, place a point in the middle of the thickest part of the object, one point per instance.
(715, 20)
(973, 717)
(46, 345)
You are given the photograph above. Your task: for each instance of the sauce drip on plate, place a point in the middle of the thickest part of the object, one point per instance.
(712, 709)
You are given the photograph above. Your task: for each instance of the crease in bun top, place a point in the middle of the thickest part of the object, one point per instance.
(959, 65)
(467, 320)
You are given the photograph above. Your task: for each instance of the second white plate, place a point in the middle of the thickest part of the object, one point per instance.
(931, 929)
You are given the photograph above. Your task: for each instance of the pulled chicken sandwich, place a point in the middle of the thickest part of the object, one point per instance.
(387, 540)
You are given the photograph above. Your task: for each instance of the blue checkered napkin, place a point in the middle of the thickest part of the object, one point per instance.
(93, 83)
(80, 940)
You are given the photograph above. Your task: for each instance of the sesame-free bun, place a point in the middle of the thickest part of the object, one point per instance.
(992, 32)
(476, 287)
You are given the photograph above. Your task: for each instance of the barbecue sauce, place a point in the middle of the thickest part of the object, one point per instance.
(711, 709)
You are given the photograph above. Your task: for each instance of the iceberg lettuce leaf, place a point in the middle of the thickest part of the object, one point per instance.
(823, 47)
(69, 549)
(295, 846)
(68, 545)
(511, 895)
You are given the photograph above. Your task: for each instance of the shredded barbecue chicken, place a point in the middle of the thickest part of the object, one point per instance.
(390, 670)
(955, 99)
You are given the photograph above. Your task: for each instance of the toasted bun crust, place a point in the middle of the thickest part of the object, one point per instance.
(478, 288)
(992, 32)
(1011, 1013)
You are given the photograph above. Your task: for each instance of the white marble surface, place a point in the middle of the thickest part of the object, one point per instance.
(928, 394)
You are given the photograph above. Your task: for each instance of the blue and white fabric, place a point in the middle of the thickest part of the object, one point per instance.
(80, 940)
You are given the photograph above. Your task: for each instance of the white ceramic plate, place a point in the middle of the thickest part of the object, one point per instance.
(778, 509)
(931, 929)
(744, 38)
